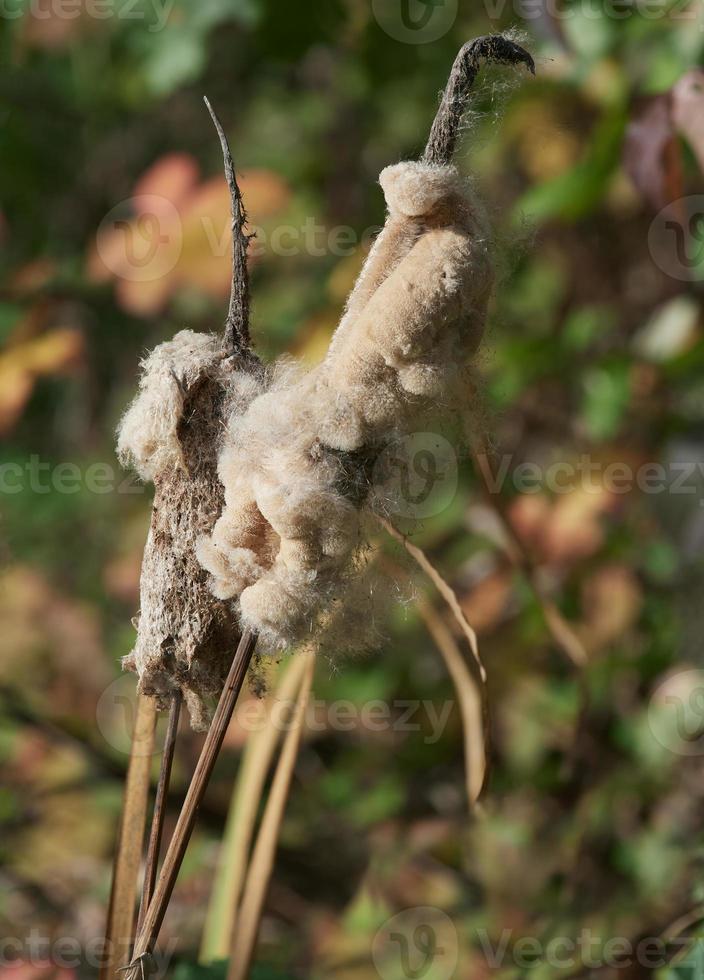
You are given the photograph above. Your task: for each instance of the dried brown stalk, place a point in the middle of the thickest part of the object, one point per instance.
(146, 938)
(471, 703)
(236, 336)
(128, 853)
(443, 587)
(162, 789)
(200, 495)
(446, 127)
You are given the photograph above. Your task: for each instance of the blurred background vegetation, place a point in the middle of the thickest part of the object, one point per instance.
(594, 811)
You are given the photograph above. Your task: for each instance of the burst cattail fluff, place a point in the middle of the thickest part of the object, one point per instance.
(170, 435)
(294, 465)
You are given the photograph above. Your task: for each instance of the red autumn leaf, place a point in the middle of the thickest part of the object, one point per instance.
(174, 232)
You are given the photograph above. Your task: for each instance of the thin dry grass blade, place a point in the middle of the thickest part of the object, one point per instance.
(259, 874)
(232, 865)
(445, 590)
(128, 853)
(470, 701)
(471, 690)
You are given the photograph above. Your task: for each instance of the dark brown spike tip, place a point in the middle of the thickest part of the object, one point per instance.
(445, 129)
(236, 339)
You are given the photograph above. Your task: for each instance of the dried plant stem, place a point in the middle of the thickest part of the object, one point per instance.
(173, 859)
(468, 696)
(162, 789)
(446, 126)
(236, 336)
(128, 853)
(259, 874)
(232, 865)
(207, 490)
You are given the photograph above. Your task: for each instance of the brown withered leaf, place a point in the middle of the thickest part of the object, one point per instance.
(651, 152)
(563, 530)
(485, 603)
(688, 110)
(612, 599)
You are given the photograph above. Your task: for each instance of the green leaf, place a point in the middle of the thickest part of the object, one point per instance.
(584, 325)
(606, 397)
(10, 313)
(577, 192)
(187, 970)
(264, 971)
(178, 58)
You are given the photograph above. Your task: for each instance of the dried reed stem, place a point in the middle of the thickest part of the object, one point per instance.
(232, 865)
(469, 685)
(470, 702)
(236, 336)
(259, 874)
(128, 853)
(443, 587)
(146, 938)
(162, 789)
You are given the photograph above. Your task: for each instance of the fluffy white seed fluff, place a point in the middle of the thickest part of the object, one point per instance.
(170, 435)
(147, 437)
(289, 542)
